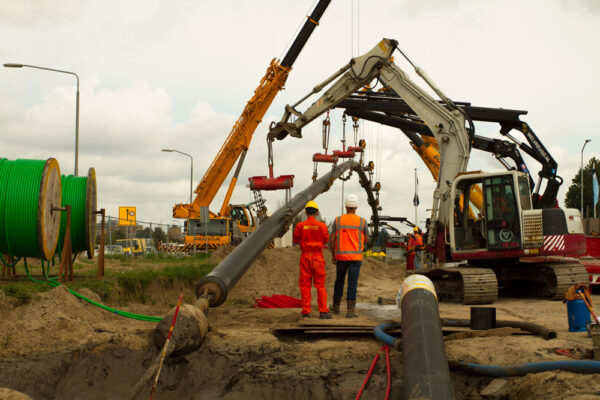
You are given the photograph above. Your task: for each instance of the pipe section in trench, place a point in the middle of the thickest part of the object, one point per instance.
(424, 364)
(216, 285)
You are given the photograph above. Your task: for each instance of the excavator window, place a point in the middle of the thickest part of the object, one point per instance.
(524, 193)
(468, 231)
(502, 213)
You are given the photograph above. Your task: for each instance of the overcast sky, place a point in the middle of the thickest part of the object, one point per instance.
(177, 74)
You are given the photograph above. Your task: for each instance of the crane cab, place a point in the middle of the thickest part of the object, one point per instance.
(493, 217)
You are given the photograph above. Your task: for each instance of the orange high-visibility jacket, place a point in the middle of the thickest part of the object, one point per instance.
(350, 237)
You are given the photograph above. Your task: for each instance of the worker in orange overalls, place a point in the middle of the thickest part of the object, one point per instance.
(349, 235)
(312, 235)
(410, 252)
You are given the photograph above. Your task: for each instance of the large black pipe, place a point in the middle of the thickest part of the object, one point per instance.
(424, 364)
(309, 26)
(216, 285)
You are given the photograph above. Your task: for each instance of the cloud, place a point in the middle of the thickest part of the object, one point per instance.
(177, 75)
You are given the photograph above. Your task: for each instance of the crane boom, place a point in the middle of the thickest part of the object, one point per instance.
(240, 135)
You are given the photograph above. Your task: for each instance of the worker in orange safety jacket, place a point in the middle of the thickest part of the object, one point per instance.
(419, 247)
(348, 238)
(312, 235)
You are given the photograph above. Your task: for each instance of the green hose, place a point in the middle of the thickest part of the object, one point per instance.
(54, 283)
(26, 199)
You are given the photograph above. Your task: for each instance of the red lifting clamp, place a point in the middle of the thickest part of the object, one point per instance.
(356, 149)
(326, 158)
(344, 154)
(271, 183)
(264, 183)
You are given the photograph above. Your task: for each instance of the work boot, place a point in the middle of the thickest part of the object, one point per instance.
(350, 309)
(325, 315)
(335, 307)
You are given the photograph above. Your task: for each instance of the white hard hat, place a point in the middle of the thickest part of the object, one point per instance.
(351, 201)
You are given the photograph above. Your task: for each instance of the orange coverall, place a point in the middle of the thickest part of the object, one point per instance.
(312, 235)
(410, 253)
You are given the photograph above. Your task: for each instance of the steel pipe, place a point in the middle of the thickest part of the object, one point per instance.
(216, 285)
(424, 364)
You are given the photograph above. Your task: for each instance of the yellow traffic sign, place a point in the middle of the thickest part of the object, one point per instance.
(127, 215)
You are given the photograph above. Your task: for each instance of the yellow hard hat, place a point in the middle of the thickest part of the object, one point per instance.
(416, 229)
(311, 204)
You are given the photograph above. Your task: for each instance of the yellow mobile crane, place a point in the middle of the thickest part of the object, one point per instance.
(233, 222)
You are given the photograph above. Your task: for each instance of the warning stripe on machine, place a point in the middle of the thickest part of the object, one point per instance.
(554, 243)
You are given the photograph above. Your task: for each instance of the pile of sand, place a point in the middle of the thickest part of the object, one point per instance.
(58, 320)
(276, 271)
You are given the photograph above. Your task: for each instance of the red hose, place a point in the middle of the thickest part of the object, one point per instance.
(389, 373)
(277, 301)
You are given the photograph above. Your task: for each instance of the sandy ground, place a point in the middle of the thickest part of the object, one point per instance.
(60, 347)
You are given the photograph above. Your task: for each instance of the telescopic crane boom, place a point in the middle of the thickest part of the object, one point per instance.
(237, 143)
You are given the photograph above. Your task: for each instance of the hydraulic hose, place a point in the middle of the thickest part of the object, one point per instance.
(578, 366)
(384, 337)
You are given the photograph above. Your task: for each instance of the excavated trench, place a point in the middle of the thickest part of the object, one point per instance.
(109, 372)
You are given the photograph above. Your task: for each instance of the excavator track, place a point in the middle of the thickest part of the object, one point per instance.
(465, 285)
(544, 279)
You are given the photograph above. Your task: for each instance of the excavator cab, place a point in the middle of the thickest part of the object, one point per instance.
(497, 225)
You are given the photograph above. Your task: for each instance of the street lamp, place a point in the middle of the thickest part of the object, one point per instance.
(581, 186)
(191, 171)
(12, 65)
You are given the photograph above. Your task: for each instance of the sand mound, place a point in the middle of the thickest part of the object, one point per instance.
(9, 394)
(59, 320)
(276, 271)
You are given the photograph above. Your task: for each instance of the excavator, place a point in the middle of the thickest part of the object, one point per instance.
(511, 246)
(204, 228)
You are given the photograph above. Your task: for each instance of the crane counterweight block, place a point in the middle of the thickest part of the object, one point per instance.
(325, 158)
(265, 183)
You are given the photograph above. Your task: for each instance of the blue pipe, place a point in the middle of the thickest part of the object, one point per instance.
(384, 337)
(579, 366)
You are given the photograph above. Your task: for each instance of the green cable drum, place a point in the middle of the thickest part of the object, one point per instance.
(80, 193)
(29, 190)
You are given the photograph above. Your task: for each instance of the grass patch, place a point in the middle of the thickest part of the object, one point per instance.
(23, 292)
(103, 288)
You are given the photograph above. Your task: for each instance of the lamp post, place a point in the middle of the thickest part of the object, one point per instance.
(12, 65)
(581, 186)
(191, 170)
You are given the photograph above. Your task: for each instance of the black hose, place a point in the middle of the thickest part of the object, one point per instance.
(526, 326)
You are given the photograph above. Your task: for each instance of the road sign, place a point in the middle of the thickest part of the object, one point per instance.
(127, 215)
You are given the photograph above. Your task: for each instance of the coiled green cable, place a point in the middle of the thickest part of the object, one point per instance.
(20, 182)
(74, 195)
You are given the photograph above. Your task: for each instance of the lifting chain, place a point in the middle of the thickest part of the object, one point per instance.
(344, 132)
(270, 156)
(326, 130)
